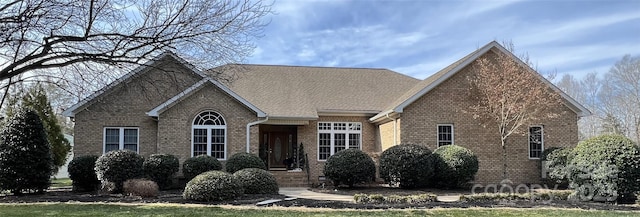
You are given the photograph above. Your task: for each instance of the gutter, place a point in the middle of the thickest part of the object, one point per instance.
(395, 129)
(249, 130)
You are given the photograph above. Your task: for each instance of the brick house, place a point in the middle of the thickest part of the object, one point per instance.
(169, 106)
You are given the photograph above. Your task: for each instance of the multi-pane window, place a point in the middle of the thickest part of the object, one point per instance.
(337, 136)
(209, 132)
(445, 134)
(119, 138)
(536, 142)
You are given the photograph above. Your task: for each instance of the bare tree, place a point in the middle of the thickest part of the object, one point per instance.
(61, 39)
(586, 92)
(509, 94)
(620, 95)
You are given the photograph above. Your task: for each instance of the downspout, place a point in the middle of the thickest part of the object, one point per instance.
(395, 129)
(249, 130)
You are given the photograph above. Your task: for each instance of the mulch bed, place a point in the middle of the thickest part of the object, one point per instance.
(170, 196)
(175, 196)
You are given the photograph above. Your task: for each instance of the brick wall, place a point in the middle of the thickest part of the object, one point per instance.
(174, 124)
(308, 135)
(385, 134)
(449, 104)
(126, 104)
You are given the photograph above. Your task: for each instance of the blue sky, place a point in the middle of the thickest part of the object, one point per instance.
(418, 38)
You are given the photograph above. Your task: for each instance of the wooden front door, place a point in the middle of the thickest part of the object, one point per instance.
(279, 144)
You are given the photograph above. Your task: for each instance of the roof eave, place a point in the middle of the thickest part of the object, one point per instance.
(155, 112)
(71, 111)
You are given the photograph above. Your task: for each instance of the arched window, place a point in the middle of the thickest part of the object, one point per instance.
(209, 135)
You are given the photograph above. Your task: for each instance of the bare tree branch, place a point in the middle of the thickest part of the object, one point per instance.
(44, 36)
(509, 95)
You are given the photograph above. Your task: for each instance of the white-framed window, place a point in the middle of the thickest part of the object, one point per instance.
(209, 135)
(536, 142)
(337, 136)
(445, 134)
(120, 138)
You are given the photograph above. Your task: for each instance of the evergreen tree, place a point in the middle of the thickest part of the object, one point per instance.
(36, 99)
(26, 161)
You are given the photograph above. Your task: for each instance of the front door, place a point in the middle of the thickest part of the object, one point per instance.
(279, 144)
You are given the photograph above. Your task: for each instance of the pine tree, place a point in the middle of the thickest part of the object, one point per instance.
(26, 161)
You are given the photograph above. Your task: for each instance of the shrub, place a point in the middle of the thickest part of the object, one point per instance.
(83, 174)
(455, 166)
(213, 186)
(117, 167)
(160, 168)
(550, 195)
(26, 161)
(141, 187)
(394, 199)
(605, 168)
(196, 165)
(257, 181)
(408, 165)
(556, 160)
(349, 167)
(244, 160)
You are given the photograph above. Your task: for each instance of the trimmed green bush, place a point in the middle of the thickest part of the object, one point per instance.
(26, 160)
(199, 164)
(556, 165)
(407, 165)
(349, 167)
(213, 186)
(244, 160)
(257, 181)
(117, 167)
(455, 166)
(545, 154)
(83, 174)
(160, 168)
(605, 168)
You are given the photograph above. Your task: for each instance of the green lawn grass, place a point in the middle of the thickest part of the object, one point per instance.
(65, 209)
(63, 182)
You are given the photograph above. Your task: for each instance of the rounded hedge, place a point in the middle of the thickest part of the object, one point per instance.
(244, 160)
(83, 174)
(455, 166)
(213, 186)
(408, 165)
(556, 160)
(199, 164)
(605, 168)
(160, 168)
(117, 167)
(257, 181)
(349, 167)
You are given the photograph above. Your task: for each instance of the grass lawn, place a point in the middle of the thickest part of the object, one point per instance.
(66, 209)
(63, 182)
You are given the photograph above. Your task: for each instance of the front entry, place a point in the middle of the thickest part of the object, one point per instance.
(278, 142)
(279, 146)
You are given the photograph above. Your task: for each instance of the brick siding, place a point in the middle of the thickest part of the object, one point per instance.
(448, 103)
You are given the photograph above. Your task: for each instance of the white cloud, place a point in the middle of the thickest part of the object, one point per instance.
(546, 32)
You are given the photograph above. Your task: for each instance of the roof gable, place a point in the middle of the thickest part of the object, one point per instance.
(71, 111)
(436, 79)
(194, 88)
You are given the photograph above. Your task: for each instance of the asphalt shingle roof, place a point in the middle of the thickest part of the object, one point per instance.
(302, 92)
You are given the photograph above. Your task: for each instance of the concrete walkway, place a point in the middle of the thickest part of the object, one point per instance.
(306, 194)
